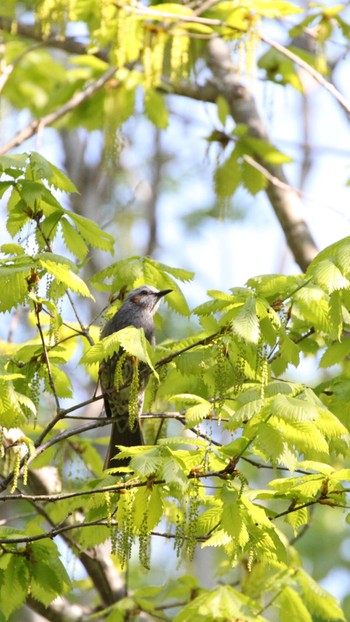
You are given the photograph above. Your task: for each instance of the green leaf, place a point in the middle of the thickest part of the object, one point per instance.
(276, 8)
(328, 276)
(65, 275)
(272, 286)
(253, 180)
(220, 604)
(13, 285)
(292, 607)
(130, 273)
(73, 240)
(232, 522)
(196, 414)
(43, 169)
(335, 353)
(246, 323)
(318, 600)
(5, 185)
(14, 585)
(13, 163)
(227, 176)
(223, 109)
(134, 342)
(91, 232)
(155, 109)
(265, 150)
(293, 408)
(297, 519)
(280, 69)
(12, 249)
(173, 471)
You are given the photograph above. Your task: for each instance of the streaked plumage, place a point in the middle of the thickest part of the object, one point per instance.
(137, 310)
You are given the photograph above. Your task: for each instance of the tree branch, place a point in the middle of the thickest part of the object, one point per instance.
(60, 609)
(68, 44)
(285, 203)
(35, 126)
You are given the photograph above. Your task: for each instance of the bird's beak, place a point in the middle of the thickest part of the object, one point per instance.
(163, 292)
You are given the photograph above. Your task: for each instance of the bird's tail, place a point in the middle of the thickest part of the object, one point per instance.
(122, 434)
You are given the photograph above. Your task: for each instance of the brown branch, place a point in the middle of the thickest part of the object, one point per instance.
(60, 609)
(286, 204)
(38, 124)
(68, 44)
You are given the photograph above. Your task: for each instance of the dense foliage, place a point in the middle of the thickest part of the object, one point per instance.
(242, 454)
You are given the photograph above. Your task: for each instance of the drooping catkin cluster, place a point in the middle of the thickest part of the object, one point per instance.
(118, 379)
(153, 56)
(25, 450)
(220, 377)
(125, 519)
(262, 367)
(51, 13)
(145, 542)
(239, 370)
(179, 55)
(134, 395)
(186, 523)
(247, 47)
(112, 526)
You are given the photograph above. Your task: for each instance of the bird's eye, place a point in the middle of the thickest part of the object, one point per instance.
(144, 292)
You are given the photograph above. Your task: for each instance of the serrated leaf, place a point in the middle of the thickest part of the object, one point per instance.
(328, 276)
(293, 408)
(219, 538)
(208, 520)
(134, 342)
(220, 604)
(335, 353)
(292, 607)
(318, 600)
(92, 233)
(73, 240)
(65, 275)
(297, 519)
(14, 586)
(196, 414)
(232, 522)
(173, 471)
(43, 169)
(13, 163)
(246, 412)
(289, 350)
(246, 323)
(14, 287)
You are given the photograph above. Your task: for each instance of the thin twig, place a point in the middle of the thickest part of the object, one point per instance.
(46, 356)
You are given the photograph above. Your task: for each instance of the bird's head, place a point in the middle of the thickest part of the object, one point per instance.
(146, 297)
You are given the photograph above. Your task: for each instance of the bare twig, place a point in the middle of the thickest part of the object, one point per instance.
(46, 356)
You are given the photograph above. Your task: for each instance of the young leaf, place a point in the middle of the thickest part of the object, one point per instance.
(246, 323)
(65, 275)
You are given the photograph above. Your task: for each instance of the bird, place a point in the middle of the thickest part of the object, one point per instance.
(137, 310)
